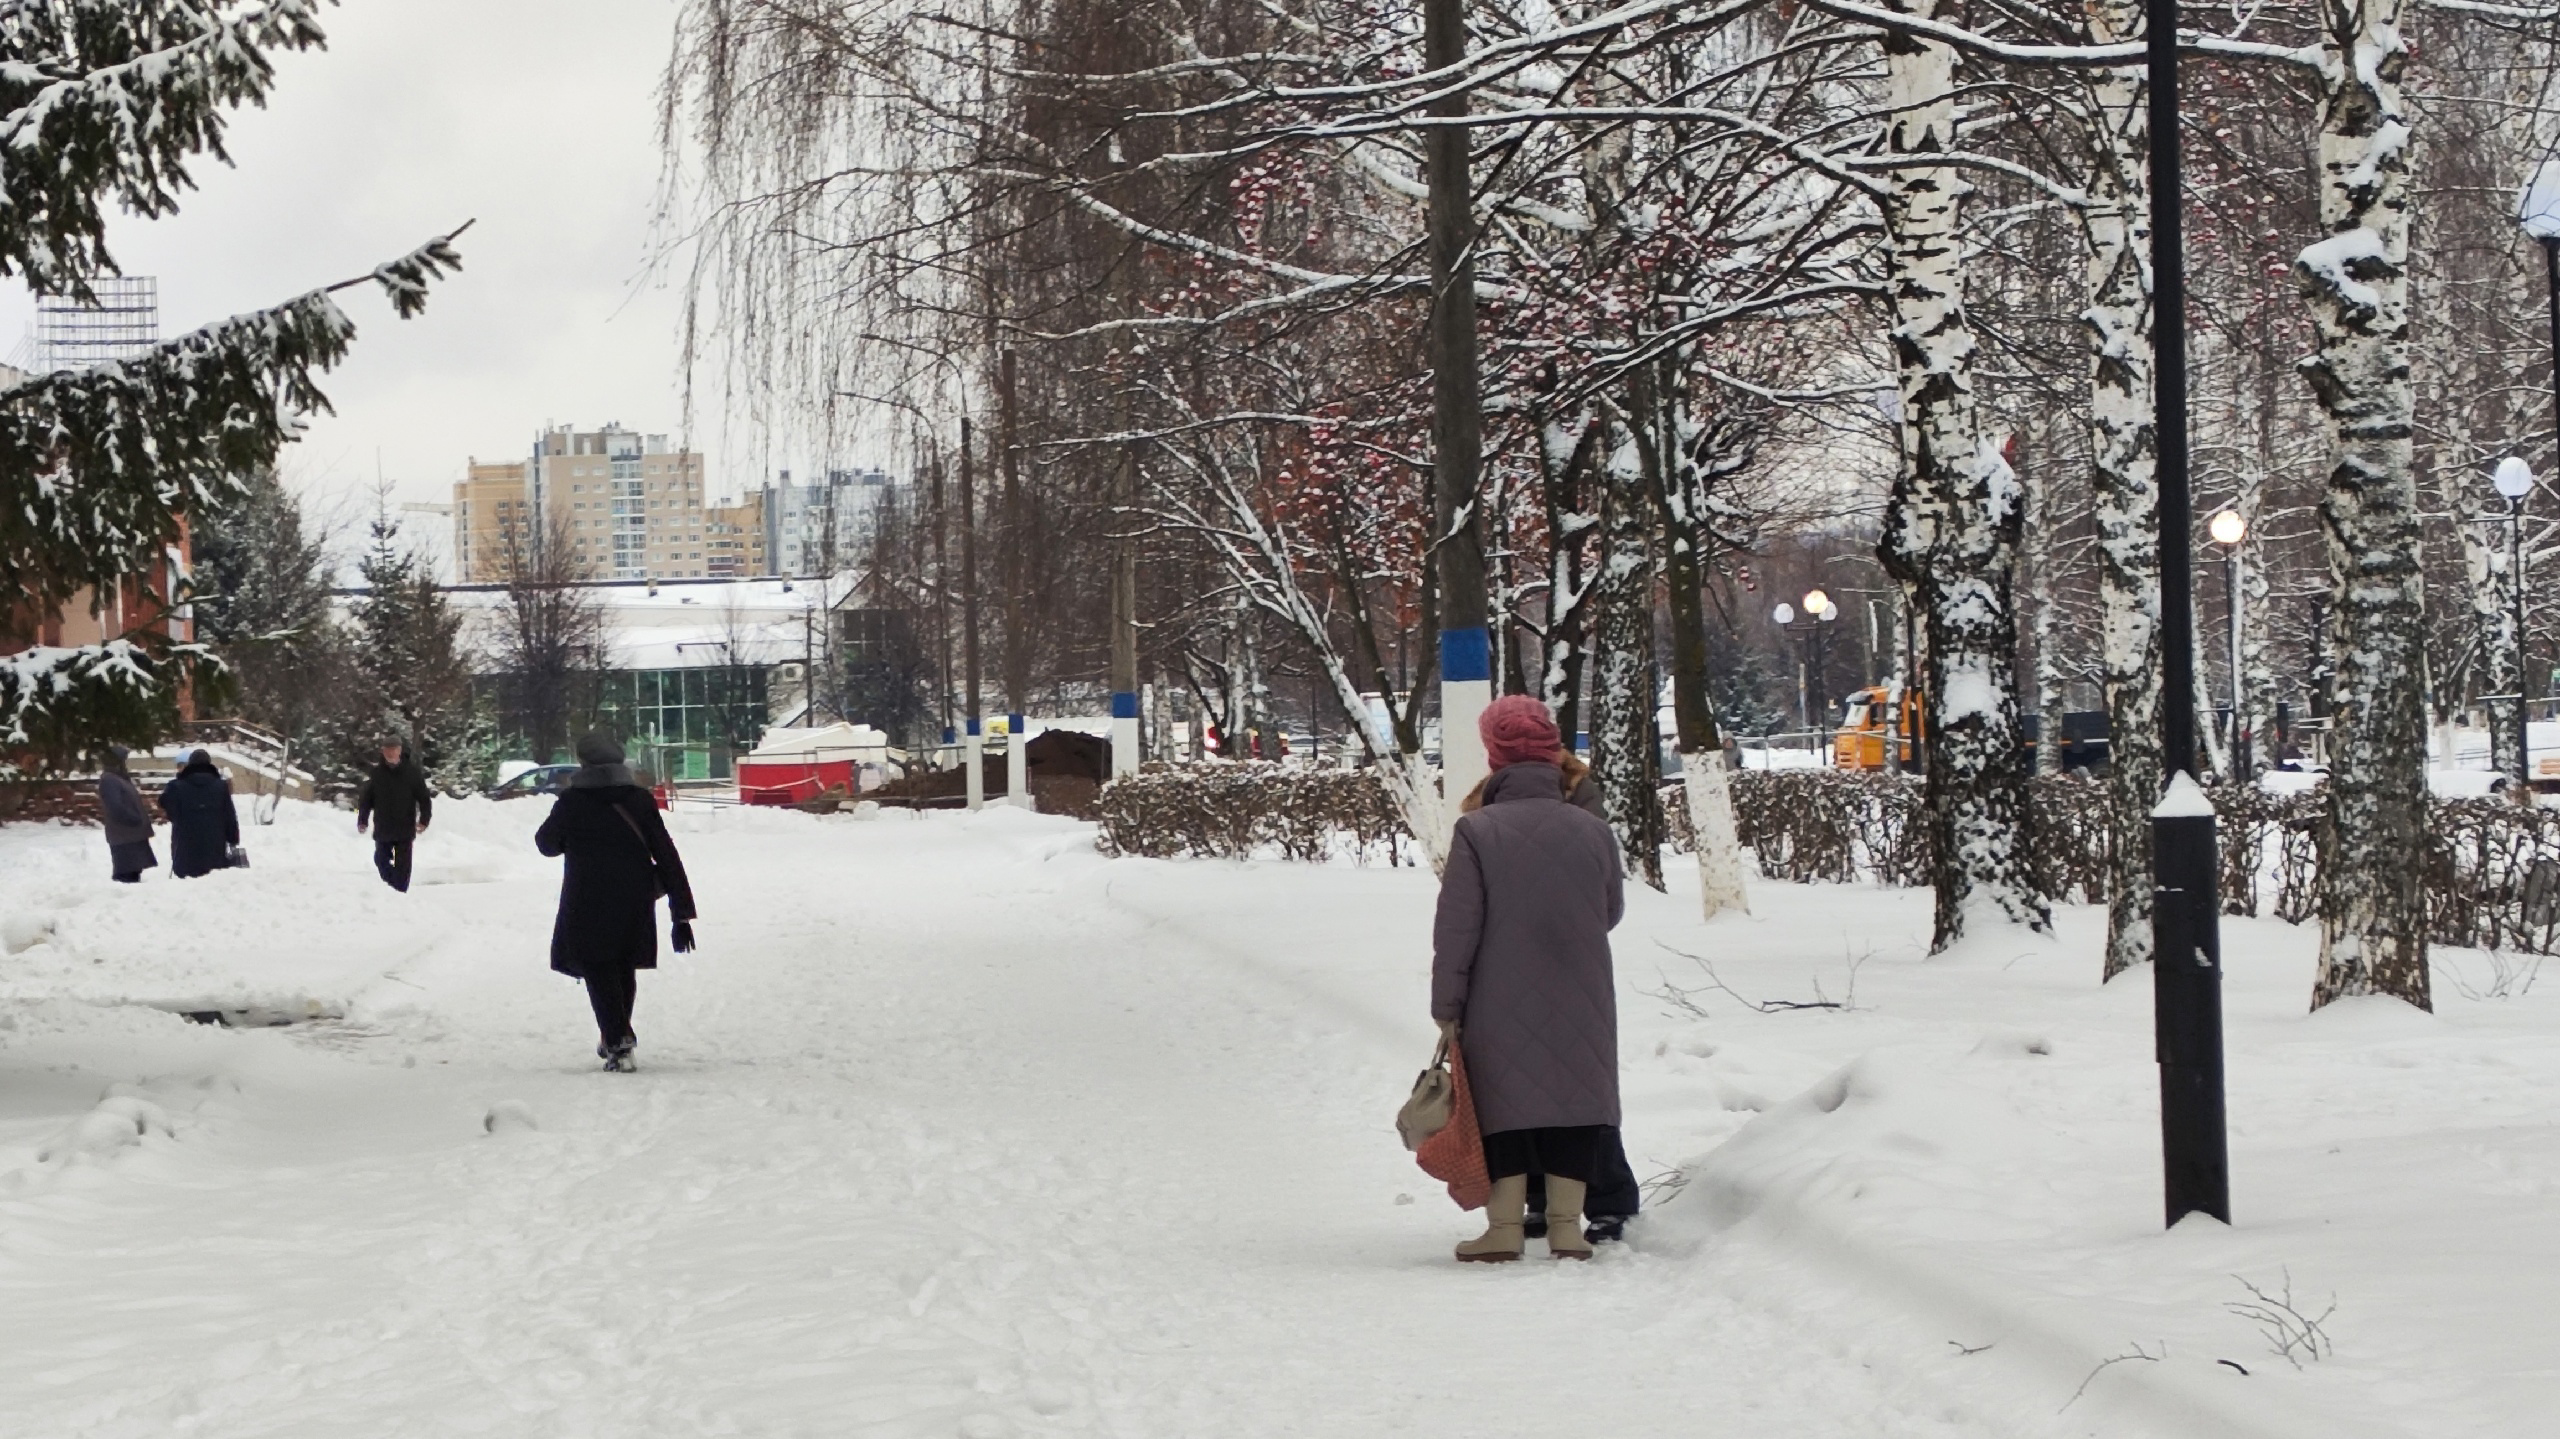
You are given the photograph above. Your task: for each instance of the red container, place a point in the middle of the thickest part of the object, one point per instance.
(792, 781)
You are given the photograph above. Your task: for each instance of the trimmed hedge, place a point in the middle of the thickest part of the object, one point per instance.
(2492, 868)
(1214, 810)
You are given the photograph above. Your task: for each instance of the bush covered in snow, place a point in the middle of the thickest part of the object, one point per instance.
(1231, 811)
(2492, 869)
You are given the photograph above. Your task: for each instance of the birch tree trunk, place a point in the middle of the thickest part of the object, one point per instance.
(1564, 467)
(2123, 457)
(2256, 681)
(1951, 525)
(2373, 920)
(1682, 460)
(2493, 610)
(2036, 577)
(1625, 742)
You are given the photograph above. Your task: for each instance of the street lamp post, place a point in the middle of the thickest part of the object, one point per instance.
(2186, 919)
(2228, 529)
(2514, 480)
(1813, 632)
(1785, 615)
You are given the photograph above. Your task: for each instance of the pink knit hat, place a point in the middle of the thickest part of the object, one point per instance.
(1518, 730)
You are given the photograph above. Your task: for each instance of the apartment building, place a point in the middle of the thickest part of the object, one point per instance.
(814, 528)
(491, 510)
(733, 543)
(628, 506)
(624, 505)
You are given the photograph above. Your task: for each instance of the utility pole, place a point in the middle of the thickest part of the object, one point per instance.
(1017, 659)
(973, 749)
(1457, 423)
(2186, 967)
(1124, 610)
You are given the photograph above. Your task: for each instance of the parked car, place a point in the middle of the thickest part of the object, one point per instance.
(541, 779)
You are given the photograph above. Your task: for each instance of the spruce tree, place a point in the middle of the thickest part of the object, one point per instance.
(411, 681)
(261, 588)
(108, 101)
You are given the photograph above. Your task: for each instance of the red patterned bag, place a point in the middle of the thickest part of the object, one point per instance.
(1455, 1155)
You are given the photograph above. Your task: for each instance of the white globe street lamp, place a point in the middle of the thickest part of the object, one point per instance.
(2513, 478)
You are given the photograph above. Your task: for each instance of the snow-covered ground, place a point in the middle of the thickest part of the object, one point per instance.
(955, 1127)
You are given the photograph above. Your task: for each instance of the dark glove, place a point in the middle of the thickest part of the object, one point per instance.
(683, 936)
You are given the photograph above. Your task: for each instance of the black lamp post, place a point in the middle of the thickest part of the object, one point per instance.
(1814, 631)
(2513, 480)
(2186, 921)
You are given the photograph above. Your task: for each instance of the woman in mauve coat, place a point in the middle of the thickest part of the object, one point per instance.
(620, 859)
(203, 823)
(1521, 975)
(1612, 1196)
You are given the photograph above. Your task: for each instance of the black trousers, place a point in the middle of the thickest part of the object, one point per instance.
(611, 993)
(1613, 1194)
(391, 861)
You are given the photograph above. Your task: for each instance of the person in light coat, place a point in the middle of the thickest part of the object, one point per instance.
(1522, 978)
(126, 818)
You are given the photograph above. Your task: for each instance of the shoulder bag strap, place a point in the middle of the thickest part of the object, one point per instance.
(624, 814)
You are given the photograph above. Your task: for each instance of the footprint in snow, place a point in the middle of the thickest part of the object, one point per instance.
(508, 1116)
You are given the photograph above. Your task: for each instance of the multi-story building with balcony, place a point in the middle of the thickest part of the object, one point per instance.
(620, 504)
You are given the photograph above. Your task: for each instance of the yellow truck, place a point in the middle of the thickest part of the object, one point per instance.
(1883, 715)
(1874, 718)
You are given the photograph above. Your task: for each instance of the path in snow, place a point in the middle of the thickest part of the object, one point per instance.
(935, 1138)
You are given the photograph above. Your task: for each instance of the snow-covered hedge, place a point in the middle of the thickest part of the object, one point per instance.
(1233, 811)
(2492, 870)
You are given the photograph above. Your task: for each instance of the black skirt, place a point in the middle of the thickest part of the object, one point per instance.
(1570, 1151)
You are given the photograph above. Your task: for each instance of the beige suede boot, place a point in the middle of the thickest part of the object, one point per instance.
(1564, 1219)
(1500, 1243)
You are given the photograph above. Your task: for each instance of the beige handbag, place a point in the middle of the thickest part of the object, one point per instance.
(1433, 1102)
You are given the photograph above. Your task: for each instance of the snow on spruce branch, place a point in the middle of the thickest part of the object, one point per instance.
(114, 97)
(97, 466)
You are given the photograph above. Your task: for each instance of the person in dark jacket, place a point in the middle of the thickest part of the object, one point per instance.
(127, 820)
(620, 859)
(1614, 1196)
(1521, 977)
(397, 804)
(203, 823)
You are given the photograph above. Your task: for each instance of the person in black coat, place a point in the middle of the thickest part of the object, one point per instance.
(620, 859)
(127, 819)
(397, 804)
(203, 824)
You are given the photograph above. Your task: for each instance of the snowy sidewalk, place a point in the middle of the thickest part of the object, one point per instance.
(956, 1128)
(934, 1138)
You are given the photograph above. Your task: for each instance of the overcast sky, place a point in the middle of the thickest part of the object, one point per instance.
(533, 117)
